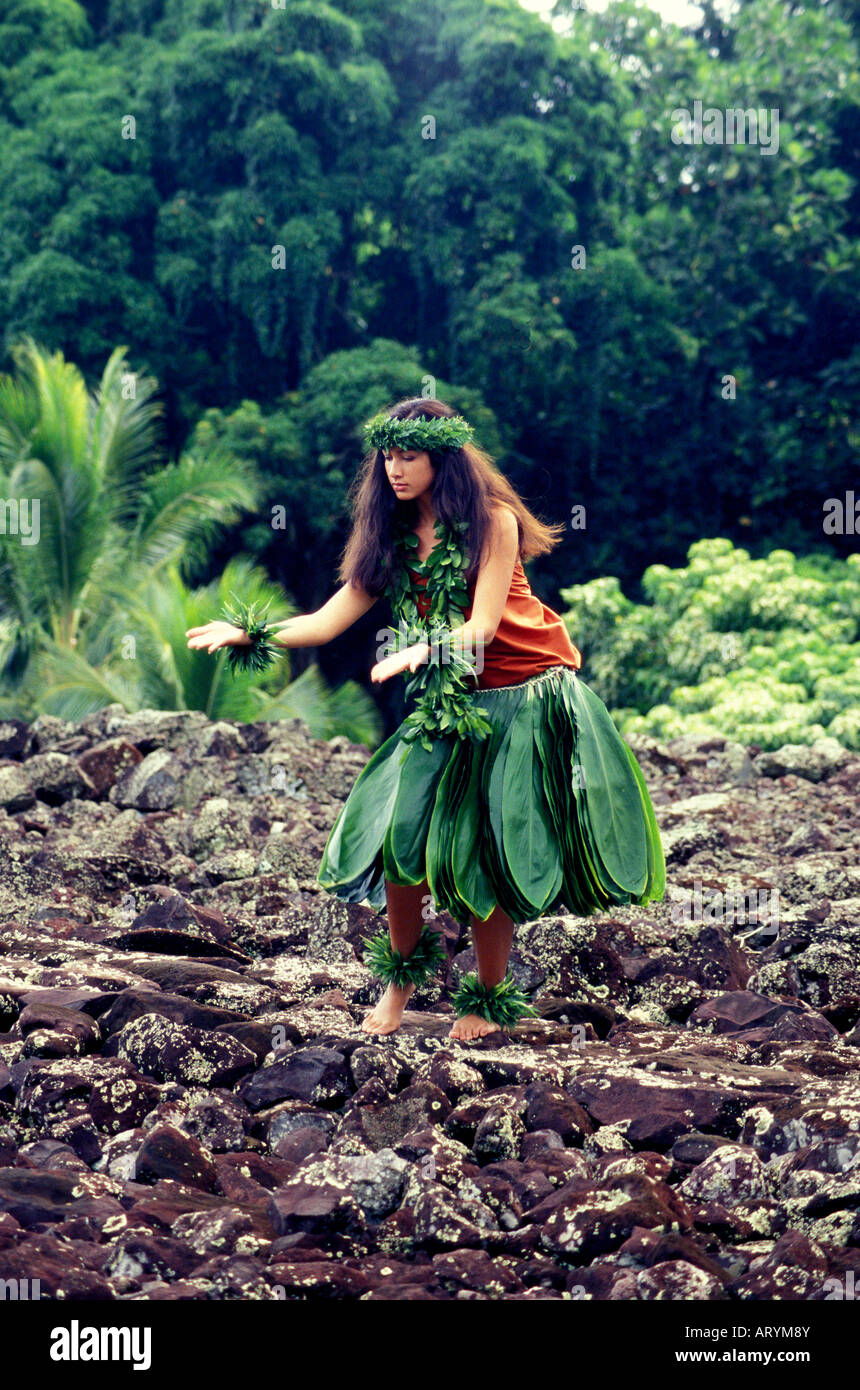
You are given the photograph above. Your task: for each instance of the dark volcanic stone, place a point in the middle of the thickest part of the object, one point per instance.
(320, 1279)
(300, 1142)
(381, 1121)
(590, 1223)
(554, 1110)
(71, 1022)
(141, 1255)
(32, 1197)
(174, 973)
(134, 1002)
(56, 778)
(167, 1153)
(173, 912)
(152, 785)
(14, 738)
(106, 1090)
(317, 1207)
(175, 943)
(640, 1098)
(316, 1074)
(57, 1268)
(258, 1036)
(170, 1051)
(744, 1009)
(681, 1122)
(105, 763)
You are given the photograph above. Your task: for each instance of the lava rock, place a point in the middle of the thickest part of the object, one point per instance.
(171, 1051)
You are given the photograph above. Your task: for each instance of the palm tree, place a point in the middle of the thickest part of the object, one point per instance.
(93, 607)
(105, 519)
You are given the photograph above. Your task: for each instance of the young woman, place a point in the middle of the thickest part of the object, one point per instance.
(507, 793)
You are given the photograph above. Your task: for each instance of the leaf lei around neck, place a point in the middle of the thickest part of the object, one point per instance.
(446, 682)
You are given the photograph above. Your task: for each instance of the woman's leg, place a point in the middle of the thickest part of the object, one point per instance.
(492, 940)
(404, 927)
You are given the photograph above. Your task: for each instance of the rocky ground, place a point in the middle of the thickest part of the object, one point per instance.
(190, 1110)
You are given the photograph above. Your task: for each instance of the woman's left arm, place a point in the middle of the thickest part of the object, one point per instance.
(493, 583)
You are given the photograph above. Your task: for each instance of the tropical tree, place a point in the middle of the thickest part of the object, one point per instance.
(85, 522)
(96, 530)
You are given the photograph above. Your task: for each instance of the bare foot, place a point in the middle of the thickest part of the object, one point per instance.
(472, 1026)
(386, 1015)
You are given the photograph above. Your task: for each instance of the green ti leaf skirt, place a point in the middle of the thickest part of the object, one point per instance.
(550, 811)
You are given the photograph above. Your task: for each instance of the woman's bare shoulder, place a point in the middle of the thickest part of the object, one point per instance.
(505, 523)
(503, 533)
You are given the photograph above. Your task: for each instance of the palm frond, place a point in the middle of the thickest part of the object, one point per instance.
(145, 620)
(19, 412)
(71, 527)
(183, 504)
(347, 710)
(59, 435)
(125, 432)
(72, 688)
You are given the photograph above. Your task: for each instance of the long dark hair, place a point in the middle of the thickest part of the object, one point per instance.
(465, 486)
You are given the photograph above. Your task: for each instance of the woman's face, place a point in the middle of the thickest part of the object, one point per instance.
(410, 471)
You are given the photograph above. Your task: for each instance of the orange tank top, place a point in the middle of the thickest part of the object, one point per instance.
(530, 637)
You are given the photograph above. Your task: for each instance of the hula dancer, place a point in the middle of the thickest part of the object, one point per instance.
(507, 793)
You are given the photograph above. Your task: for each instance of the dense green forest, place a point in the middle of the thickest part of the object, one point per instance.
(287, 215)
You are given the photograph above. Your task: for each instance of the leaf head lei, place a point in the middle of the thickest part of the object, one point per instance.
(436, 434)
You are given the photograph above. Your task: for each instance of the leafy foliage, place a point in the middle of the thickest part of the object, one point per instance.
(93, 603)
(319, 207)
(765, 651)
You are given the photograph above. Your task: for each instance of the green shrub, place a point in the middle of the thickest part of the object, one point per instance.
(762, 651)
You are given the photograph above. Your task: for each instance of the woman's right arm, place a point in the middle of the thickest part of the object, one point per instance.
(314, 629)
(307, 630)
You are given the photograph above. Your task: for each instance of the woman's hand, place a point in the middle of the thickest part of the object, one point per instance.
(411, 658)
(217, 634)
